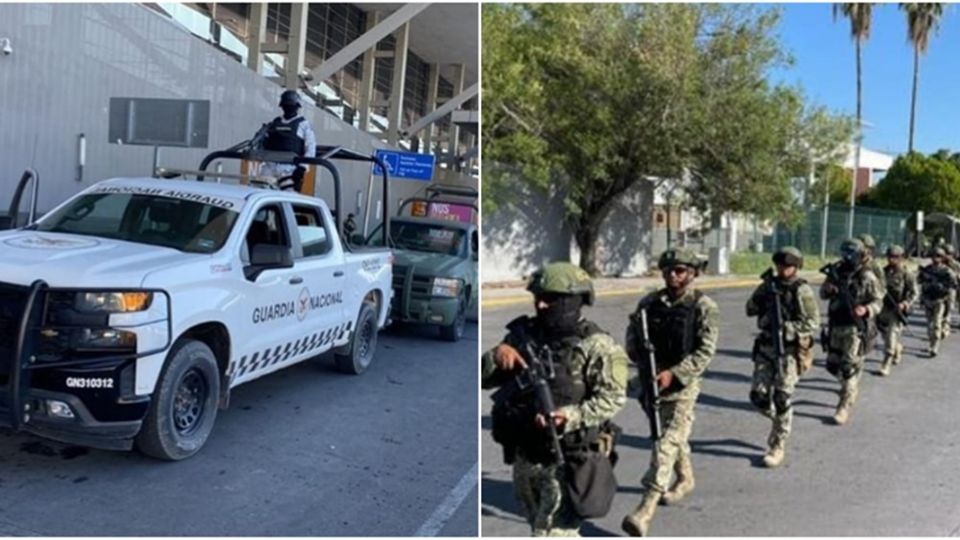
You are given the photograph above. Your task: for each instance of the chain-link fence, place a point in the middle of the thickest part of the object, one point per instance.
(886, 226)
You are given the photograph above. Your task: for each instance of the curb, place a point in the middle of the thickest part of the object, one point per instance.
(732, 284)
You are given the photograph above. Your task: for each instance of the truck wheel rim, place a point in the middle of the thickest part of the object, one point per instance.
(364, 347)
(188, 402)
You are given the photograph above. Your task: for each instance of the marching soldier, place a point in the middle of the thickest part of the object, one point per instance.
(588, 387)
(900, 294)
(936, 282)
(951, 261)
(855, 298)
(775, 373)
(684, 325)
(871, 257)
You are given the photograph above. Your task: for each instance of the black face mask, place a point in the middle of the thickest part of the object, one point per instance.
(290, 111)
(561, 316)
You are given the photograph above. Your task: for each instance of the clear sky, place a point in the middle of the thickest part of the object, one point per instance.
(825, 67)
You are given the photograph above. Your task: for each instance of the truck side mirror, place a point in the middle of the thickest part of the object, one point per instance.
(267, 257)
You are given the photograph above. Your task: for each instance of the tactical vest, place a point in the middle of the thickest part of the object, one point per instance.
(896, 279)
(789, 304)
(840, 313)
(936, 285)
(514, 411)
(282, 137)
(672, 330)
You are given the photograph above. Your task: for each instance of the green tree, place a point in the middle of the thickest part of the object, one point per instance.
(860, 16)
(922, 21)
(590, 99)
(917, 182)
(834, 178)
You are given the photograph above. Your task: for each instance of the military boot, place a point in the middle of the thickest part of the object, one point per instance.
(684, 483)
(774, 456)
(885, 367)
(638, 523)
(934, 348)
(898, 354)
(843, 412)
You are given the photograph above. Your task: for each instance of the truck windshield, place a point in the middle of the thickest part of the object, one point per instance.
(427, 237)
(160, 221)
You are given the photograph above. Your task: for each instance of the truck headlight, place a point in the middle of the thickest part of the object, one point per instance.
(446, 287)
(113, 302)
(106, 338)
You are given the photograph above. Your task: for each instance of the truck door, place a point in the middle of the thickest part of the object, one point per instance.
(268, 326)
(318, 261)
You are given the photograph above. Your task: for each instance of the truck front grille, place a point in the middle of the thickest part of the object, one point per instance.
(13, 301)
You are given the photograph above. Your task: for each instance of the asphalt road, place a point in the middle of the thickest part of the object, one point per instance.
(305, 451)
(893, 470)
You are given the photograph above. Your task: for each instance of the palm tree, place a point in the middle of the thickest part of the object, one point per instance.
(860, 16)
(922, 20)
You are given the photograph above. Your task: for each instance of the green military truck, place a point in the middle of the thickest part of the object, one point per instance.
(436, 247)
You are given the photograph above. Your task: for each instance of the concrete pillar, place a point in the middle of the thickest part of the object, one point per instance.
(297, 44)
(368, 75)
(258, 32)
(433, 86)
(459, 76)
(395, 116)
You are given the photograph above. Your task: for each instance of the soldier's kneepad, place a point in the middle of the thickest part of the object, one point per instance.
(760, 400)
(781, 400)
(849, 371)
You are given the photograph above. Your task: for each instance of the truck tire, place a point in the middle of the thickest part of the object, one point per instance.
(454, 331)
(184, 404)
(363, 344)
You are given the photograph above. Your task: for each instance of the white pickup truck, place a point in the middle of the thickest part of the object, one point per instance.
(129, 312)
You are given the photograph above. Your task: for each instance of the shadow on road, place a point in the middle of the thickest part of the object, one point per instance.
(711, 400)
(829, 389)
(736, 353)
(726, 376)
(729, 448)
(499, 495)
(635, 441)
(589, 529)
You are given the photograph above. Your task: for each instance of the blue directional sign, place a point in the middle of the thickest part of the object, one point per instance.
(407, 165)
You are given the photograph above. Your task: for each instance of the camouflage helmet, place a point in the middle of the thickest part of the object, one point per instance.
(788, 256)
(895, 251)
(938, 252)
(868, 241)
(948, 249)
(677, 257)
(851, 247)
(562, 278)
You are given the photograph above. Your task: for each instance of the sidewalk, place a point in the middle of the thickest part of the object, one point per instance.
(514, 292)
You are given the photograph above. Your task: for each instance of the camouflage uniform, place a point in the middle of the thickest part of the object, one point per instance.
(951, 261)
(697, 318)
(846, 350)
(901, 289)
(937, 281)
(800, 314)
(871, 260)
(597, 363)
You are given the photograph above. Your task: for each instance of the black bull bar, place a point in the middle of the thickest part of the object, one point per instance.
(14, 409)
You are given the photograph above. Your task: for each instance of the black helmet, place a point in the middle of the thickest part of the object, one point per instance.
(290, 98)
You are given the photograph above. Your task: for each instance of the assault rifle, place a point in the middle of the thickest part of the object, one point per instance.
(539, 371)
(650, 397)
(901, 316)
(843, 289)
(778, 345)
